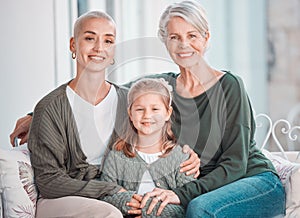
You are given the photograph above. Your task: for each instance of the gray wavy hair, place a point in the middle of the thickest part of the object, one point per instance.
(191, 11)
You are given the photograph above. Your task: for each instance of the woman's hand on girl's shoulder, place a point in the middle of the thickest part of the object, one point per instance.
(191, 165)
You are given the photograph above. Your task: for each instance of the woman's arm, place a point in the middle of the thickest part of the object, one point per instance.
(58, 162)
(190, 166)
(21, 130)
(235, 142)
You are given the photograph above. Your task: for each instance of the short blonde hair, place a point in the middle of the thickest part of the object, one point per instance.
(191, 11)
(89, 15)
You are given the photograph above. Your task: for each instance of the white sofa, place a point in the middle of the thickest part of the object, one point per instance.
(18, 192)
(287, 163)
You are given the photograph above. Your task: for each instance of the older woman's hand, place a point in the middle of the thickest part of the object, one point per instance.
(21, 130)
(158, 194)
(192, 165)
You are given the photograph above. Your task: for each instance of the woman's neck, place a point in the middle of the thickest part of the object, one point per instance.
(196, 80)
(92, 87)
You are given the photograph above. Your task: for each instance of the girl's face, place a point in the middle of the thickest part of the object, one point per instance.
(148, 114)
(184, 42)
(94, 45)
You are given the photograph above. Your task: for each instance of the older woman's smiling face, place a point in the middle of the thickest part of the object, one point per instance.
(184, 42)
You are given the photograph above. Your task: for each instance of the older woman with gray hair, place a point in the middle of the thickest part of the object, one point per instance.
(213, 115)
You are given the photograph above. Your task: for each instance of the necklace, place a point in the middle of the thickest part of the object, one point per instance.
(150, 148)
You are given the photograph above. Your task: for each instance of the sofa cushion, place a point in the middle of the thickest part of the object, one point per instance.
(19, 193)
(289, 173)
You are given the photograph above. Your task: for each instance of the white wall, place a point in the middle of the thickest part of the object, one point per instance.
(238, 42)
(35, 55)
(139, 51)
(30, 67)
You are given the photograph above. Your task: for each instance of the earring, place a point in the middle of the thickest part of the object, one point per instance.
(113, 62)
(73, 55)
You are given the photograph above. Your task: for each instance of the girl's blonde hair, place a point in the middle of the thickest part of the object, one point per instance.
(142, 87)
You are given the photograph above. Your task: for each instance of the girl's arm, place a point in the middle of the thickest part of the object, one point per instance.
(162, 202)
(109, 174)
(119, 200)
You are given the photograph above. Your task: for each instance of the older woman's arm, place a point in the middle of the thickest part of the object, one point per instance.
(21, 130)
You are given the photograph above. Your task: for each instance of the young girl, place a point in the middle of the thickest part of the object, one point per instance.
(148, 156)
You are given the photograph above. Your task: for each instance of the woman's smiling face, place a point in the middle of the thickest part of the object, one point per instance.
(184, 42)
(94, 44)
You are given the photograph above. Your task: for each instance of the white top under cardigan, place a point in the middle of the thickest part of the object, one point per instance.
(147, 183)
(95, 123)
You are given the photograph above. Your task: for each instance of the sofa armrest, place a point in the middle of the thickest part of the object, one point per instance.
(1, 204)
